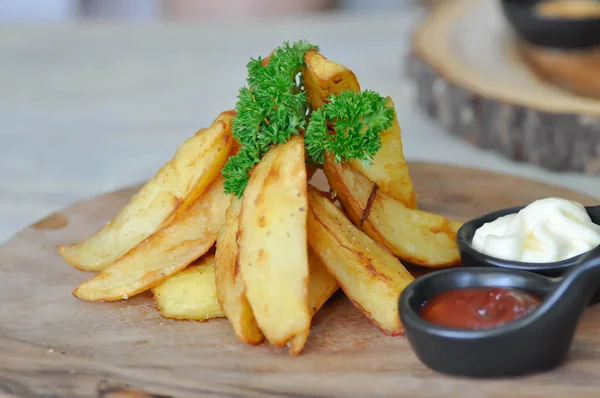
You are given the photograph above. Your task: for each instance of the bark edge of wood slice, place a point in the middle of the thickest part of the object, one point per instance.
(499, 104)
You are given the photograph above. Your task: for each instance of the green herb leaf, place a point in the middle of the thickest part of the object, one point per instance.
(269, 111)
(358, 120)
(273, 108)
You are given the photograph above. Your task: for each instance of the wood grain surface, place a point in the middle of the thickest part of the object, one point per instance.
(53, 345)
(575, 71)
(472, 79)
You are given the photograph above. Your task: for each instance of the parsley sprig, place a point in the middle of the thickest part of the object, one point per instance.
(270, 110)
(273, 108)
(358, 120)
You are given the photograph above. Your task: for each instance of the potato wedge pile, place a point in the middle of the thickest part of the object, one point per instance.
(284, 248)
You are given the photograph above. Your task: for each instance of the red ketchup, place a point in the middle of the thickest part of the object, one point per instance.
(478, 308)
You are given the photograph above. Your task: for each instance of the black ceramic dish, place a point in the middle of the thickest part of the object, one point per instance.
(560, 33)
(536, 342)
(472, 258)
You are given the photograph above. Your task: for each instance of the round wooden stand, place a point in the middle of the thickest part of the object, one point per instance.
(470, 77)
(54, 345)
(577, 71)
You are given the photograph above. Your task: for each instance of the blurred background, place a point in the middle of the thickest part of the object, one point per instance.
(60, 10)
(97, 94)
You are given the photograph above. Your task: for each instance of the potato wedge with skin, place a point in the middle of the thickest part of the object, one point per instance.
(415, 236)
(190, 294)
(388, 168)
(323, 77)
(273, 255)
(321, 286)
(164, 253)
(173, 189)
(231, 291)
(369, 274)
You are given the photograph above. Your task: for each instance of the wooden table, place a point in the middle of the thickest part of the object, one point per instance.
(89, 108)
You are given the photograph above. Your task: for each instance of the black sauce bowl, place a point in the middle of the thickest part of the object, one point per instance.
(551, 32)
(536, 342)
(499, 352)
(471, 257)
(474, 258)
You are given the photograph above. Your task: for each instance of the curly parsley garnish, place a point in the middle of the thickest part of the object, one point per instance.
(358, 120)
(273, 108)
(270, 110)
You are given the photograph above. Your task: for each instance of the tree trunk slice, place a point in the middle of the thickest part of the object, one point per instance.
(52, 344)
(470, 77)
(576, 71)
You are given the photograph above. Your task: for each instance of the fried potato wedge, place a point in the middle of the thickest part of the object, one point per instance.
(389, 169)
(231, 291)
(323, 77)
(273, 256)
(415, 236)
(321, 286)
(164, 253)
(190, 294)
(173, 189)
(369, 274)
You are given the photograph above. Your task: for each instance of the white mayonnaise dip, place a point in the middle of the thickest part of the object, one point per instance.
(547, 230)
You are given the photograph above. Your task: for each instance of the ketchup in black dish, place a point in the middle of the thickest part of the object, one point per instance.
(478, 307)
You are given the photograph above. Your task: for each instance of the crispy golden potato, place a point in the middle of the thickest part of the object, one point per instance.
(370, 276)
(415, 236)
(389, 169)
(323, 77)
(190, 294)
(164, 253)
(175, 187)
(321, 286)
(231, 292)
(273, 255)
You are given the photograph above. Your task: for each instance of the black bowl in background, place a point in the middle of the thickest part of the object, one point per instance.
(542, 31)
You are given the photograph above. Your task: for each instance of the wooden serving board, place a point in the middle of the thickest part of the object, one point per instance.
(54, 345)
(471, 76)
